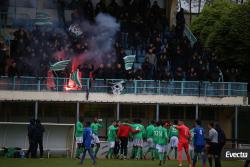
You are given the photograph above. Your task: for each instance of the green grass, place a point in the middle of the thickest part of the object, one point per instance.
(64, 162)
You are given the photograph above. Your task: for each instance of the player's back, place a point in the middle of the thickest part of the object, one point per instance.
(173, 132)
(111, 133)
(160, 135)
(150, 131)
(87, 137)
(199, 136)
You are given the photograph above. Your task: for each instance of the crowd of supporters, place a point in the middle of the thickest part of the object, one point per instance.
(167, 54)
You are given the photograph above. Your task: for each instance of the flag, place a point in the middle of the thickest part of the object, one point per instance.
(59, 66)
(75, 77)
(42, 19)
(117, 87)
(129, 61)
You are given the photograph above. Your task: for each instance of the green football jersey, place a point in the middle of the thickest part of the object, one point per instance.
(150, 131)
(140, 134)
(96, 128)
(173, 132)
(160, 135)
(79, 129)
(112, 133)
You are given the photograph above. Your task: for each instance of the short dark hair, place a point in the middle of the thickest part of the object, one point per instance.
(81, 119)
(175, 122)
(159, 123)
(211, 124)
(87, 124)
(198, 122)
(152, 122)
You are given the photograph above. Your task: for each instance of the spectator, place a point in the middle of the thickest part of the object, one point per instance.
(31, 137)
(113, 8)
(147, 69)
(38, 135)
(180, 23)
(3, 56)
(192, 74)
(109, 72)
(119, 72)
(100, 7)
(12, 70)
(179, 74)
(151, 57)
(139, 74)
(100, 72)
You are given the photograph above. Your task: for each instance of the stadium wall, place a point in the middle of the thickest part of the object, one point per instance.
(126, 98)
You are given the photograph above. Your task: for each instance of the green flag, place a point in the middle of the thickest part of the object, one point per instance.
(42, 19)
(59, 66)
(75, 77)
(129, 61)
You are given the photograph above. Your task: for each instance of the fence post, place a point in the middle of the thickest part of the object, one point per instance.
(229, 88)
(182, 87)
(159, 88)
(39, 85)
(14, 83)
(135, 86)
(57, 84)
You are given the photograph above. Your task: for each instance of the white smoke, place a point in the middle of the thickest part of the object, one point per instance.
(102, 33)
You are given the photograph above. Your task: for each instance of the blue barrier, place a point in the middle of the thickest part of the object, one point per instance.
(143, 87)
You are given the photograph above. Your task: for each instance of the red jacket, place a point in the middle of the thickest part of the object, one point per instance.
(124, 130)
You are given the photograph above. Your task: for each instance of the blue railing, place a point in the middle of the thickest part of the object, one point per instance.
(180, 88)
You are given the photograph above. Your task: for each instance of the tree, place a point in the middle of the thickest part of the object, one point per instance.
(204, 24)
(225, 28)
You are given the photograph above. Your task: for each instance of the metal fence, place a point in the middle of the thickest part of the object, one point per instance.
(180, 88)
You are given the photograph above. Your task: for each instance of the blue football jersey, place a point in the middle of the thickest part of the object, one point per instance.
(199, 136)
(87, 137)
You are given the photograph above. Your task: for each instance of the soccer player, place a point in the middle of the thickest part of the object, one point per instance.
(96, 126)
(199, 143)
(173, 135)
(184, 137)
(160, 138)
(123, 134)
(191, 146)
(87, 139)
(112, 129)
(149, 135)
(138, 139)
(78, 136)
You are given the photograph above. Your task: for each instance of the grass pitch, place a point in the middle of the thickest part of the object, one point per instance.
(64, 162)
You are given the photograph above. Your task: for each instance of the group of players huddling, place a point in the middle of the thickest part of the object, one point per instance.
(158, 135)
